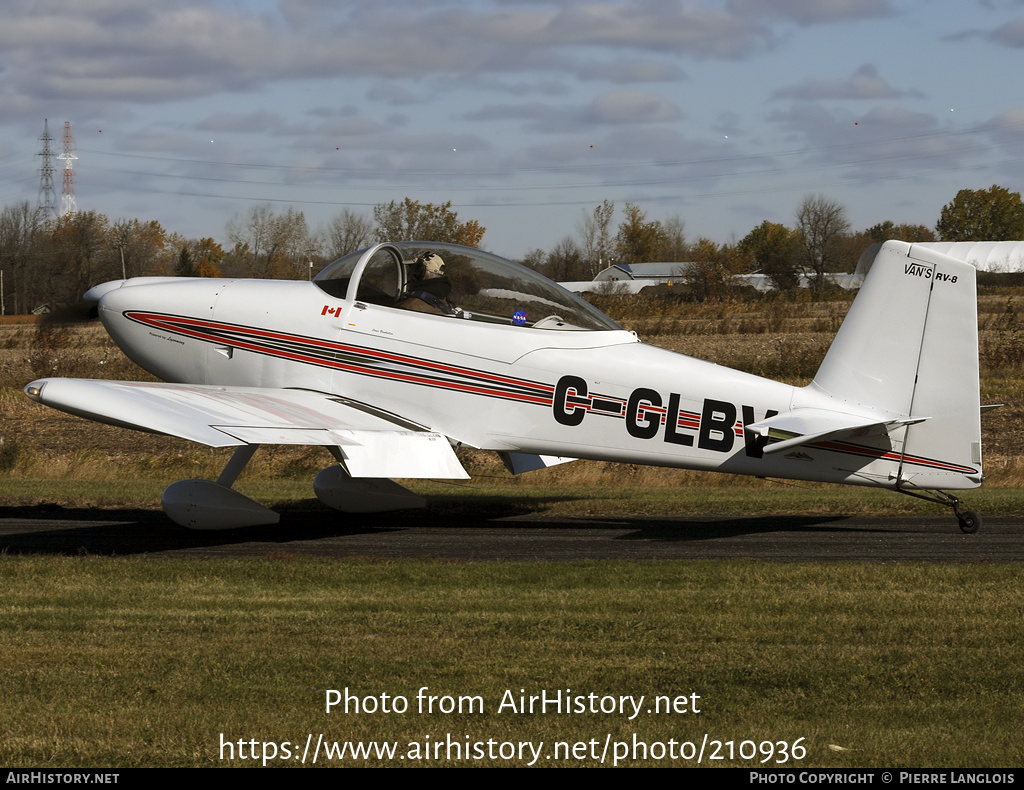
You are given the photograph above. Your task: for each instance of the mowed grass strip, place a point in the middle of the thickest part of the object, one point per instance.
(135, 662)
(494, 499)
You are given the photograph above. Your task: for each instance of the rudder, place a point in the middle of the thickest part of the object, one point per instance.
(909, 348)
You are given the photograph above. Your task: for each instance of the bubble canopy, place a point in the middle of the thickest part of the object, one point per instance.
(458, 282)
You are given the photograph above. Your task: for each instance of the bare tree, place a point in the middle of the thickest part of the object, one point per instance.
(269, 244)
(676, 248)
(347, 232)
(565, 261)
(822, 225)
(534, 259)
(595, 232)
(20, 236)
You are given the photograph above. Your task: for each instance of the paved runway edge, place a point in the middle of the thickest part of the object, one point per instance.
(521, 538)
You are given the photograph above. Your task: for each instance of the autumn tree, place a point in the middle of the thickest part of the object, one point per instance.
(857, 243)
(196, 257)
(411, 220)
(822, 227)
(774, 248)
(889, 230)
(993, 214)
(712, 270)
(78, 256)
(207, 255)
(470, 233)
(639, 240)
(137, 246)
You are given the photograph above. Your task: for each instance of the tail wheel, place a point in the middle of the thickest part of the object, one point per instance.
(969, 521)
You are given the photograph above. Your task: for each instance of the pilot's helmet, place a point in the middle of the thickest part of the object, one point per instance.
(429, 265)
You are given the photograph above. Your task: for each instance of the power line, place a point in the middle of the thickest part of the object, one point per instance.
(584, 166)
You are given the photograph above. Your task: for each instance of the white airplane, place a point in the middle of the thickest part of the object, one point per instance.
(395, 355)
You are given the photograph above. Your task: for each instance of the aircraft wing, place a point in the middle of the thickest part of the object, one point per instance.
(373, 445)
(806, 426)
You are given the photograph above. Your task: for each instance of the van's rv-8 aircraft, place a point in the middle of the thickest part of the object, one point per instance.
(395, 355)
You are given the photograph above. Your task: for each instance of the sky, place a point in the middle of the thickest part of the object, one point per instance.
(525, 115)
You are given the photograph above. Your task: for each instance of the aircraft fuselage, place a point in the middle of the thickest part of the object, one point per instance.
(579, 394)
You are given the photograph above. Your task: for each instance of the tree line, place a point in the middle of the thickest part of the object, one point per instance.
(820, 241)
(53, 262)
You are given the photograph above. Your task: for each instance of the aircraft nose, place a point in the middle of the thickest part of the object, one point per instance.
(146, 293)
(112, 301)
(137, 316)
(94, 294)
(119, 300)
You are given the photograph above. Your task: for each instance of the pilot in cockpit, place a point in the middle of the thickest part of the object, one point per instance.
(428, 288)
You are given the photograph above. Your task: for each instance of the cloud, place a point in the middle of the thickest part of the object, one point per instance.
(1010, 34)
(260, 121)
(629, 71)
(864, 83)
(393, 94)
(130, 52)
(546, 85)
(812, 12)
(728, 124)
(883, 142)
(608, 109)
(681, 27)
(630, 107)
(1007, 130)
(135, 51)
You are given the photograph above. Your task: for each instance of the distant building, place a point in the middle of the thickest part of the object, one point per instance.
(985, 256)
(626, 278)
(629, 278)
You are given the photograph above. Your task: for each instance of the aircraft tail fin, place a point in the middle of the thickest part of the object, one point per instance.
(909, 349)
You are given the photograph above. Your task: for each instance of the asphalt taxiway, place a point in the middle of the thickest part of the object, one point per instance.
(520, 538)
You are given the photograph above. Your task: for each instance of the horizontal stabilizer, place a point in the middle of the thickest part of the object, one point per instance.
(806, 426)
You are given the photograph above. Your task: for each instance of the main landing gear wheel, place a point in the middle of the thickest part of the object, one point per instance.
(969, 521)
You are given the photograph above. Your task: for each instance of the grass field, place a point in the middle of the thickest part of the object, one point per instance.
(140, 662)
(150, 662)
